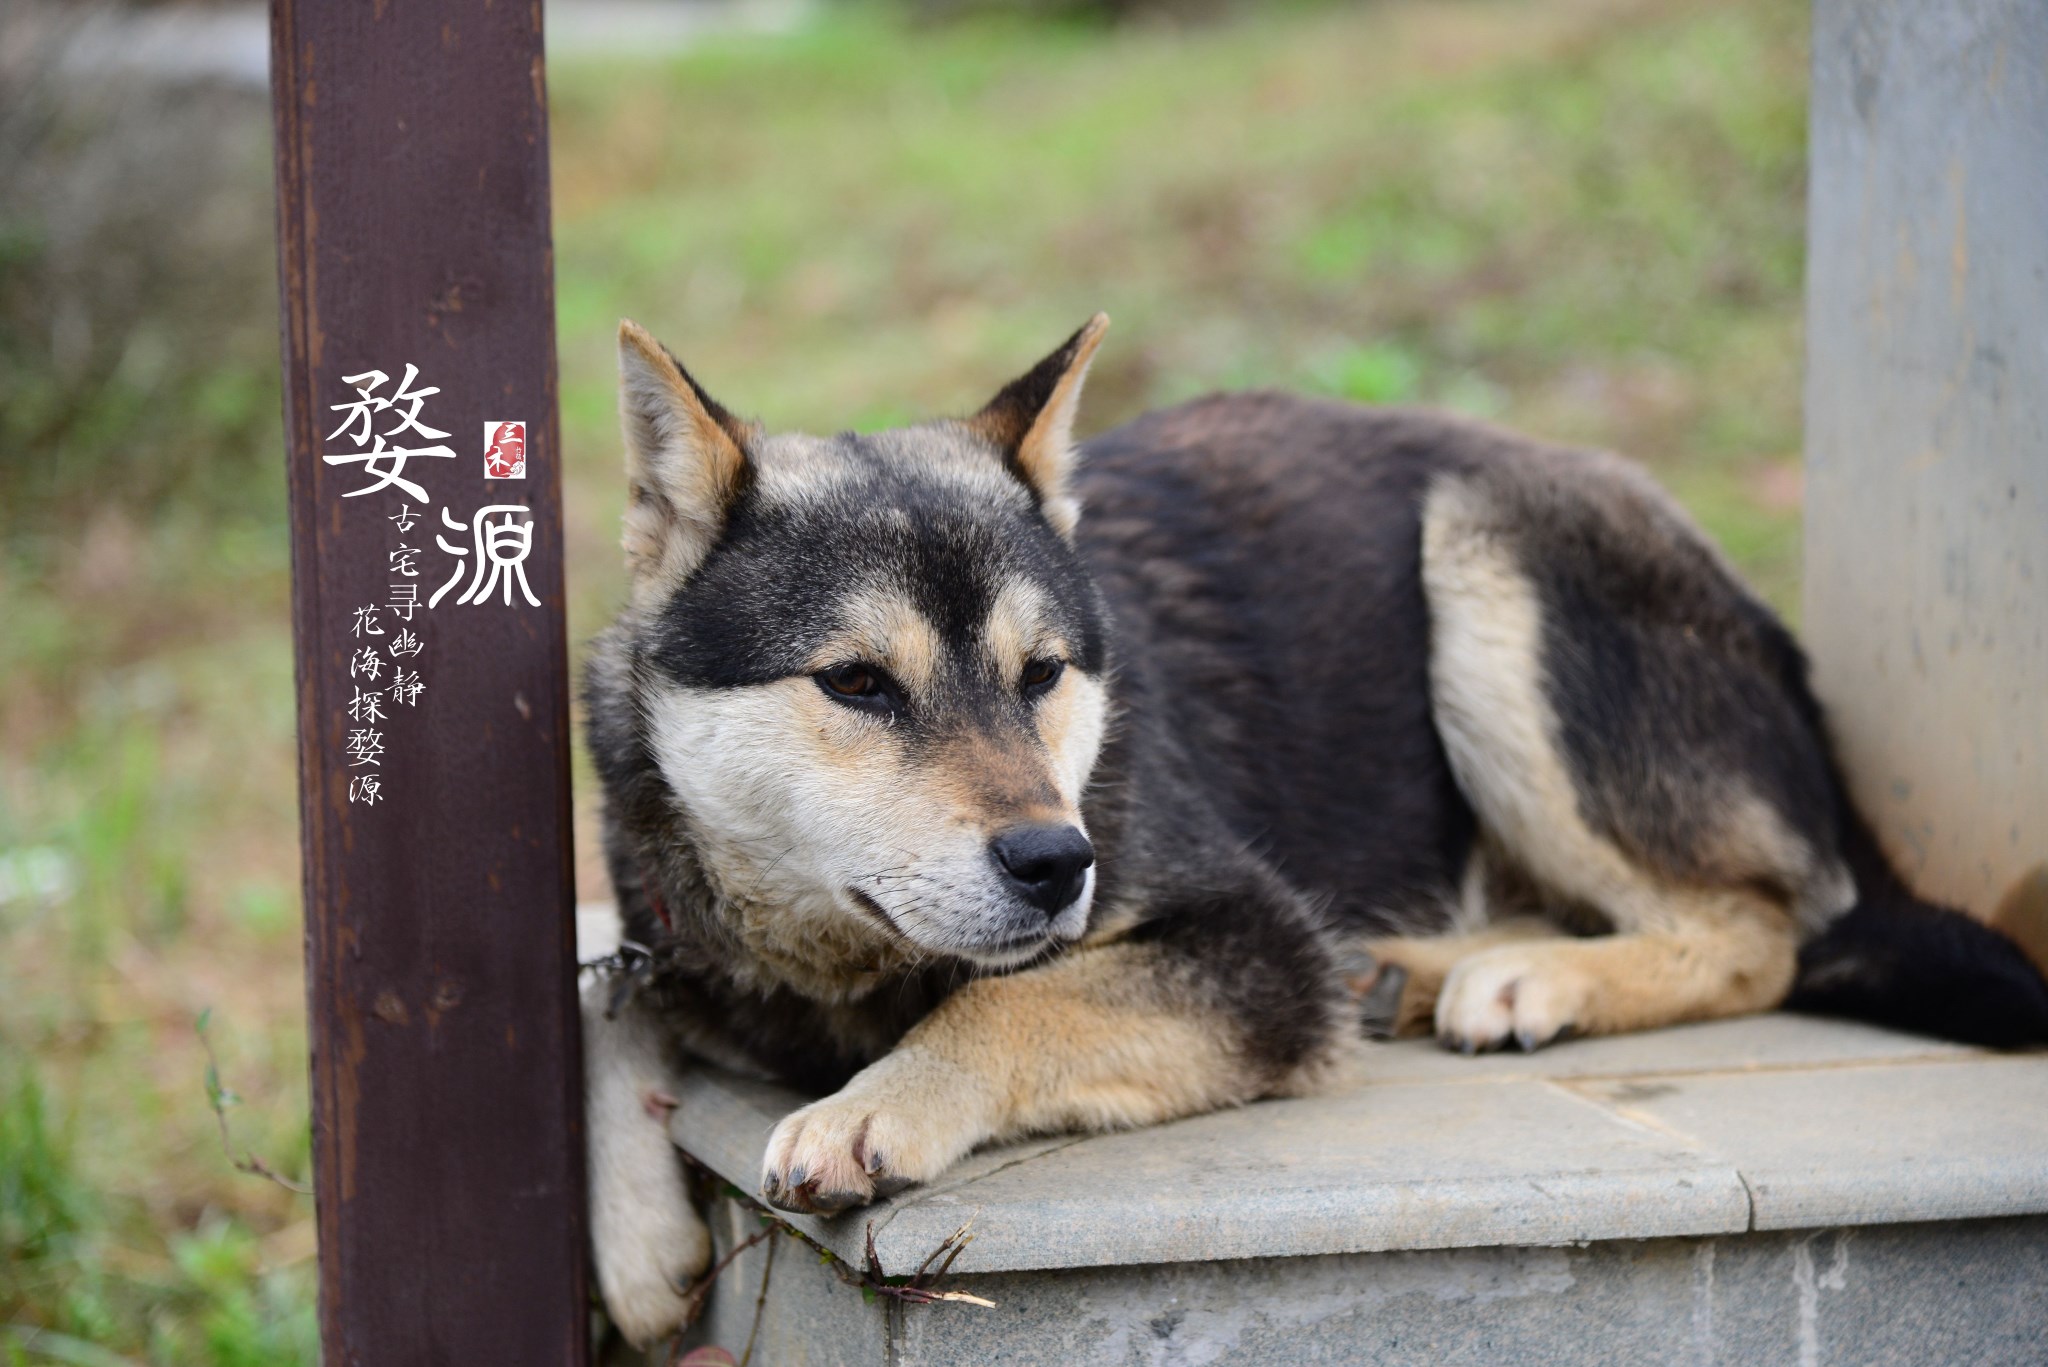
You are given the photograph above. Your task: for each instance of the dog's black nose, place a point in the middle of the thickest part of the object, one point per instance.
(1045, 864)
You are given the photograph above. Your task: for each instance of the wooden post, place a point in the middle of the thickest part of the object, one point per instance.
(1927, 428)
(414, 256)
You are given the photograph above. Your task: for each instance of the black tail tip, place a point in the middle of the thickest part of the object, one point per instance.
(1919, 967)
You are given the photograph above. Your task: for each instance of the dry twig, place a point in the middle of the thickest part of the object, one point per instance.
(916, 1289)
(760, 1303)
(220, 1098)
(694, 1306)
(870, 1280)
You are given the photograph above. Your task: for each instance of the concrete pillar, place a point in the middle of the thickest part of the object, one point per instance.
(1926, 606)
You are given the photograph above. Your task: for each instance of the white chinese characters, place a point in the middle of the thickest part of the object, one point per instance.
(501, 539)
(386, 463)
(386, 427)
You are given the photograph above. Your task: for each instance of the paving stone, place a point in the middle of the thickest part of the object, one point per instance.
(1862, 1144)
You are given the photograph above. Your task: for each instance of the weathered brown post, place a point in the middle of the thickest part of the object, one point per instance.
(413, 231)
(1927, 429)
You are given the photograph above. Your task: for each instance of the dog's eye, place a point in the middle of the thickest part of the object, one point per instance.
(1040, 675)
(861, 685)
(852, 681)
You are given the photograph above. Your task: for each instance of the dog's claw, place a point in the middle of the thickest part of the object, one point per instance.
(786, 1196)
(806, 1200)
(831, 1203)
(803, 1197)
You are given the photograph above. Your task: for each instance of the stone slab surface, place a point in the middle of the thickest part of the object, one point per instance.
(1748, 1044)
(1378, 1168)
(1769, 1123)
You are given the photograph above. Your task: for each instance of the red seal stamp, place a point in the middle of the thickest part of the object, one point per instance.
(504, 450)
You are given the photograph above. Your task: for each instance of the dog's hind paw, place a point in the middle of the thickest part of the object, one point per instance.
(1510, 994)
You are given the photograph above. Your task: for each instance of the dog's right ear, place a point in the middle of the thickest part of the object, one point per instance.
(686, 461)
(1031, 422)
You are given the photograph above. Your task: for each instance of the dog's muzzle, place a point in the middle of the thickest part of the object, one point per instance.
(1044, 866)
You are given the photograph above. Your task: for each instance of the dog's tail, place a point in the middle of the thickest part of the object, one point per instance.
(1897, 960)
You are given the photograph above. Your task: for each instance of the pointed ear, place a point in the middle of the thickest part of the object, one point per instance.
(1032, 423)
(686, 462)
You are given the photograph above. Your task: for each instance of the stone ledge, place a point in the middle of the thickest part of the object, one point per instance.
(1774, 1122)
(1876, 1296)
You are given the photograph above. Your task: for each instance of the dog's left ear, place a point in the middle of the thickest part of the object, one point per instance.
(1032, 423)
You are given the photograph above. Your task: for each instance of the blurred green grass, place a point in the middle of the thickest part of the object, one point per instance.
(1578, 217)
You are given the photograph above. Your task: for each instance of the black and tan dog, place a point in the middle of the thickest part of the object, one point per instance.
(980, 816)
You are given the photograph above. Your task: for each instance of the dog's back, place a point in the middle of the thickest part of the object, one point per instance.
(1264, 556)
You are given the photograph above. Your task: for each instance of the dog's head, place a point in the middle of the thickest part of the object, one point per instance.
(871, 666)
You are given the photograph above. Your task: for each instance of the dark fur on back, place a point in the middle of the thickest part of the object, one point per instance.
(1668, 676)
(1260, 554)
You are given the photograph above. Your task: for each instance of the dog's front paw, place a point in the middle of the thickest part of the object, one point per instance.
(646, 1257)
(865, 1143)
(1522, 994)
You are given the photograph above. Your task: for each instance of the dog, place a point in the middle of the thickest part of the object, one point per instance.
(986, 785)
